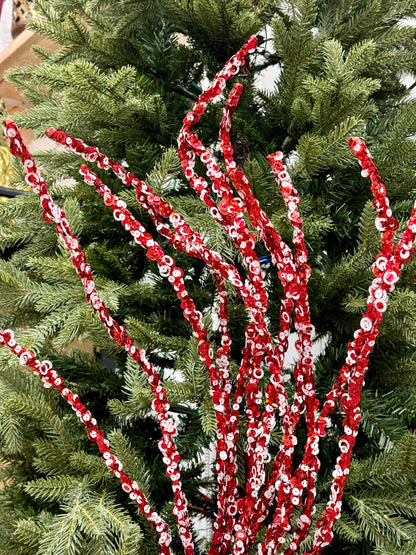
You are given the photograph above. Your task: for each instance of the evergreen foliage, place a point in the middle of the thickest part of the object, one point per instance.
(123, 78)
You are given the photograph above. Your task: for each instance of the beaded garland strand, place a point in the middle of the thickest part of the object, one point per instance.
(239, 519)
(51, 379)
(52, 213)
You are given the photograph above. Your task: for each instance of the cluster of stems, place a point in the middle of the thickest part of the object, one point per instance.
(259, 391)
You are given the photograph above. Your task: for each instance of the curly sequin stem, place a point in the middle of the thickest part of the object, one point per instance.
(51, 379)
(53, 213)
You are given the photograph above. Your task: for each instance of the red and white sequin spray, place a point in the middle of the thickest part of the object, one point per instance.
(260, 384)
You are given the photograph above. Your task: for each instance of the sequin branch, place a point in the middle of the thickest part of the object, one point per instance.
(52, 213)
(259, 385)
(51, 379)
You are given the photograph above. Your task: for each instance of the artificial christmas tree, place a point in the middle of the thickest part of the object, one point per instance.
(327, 88)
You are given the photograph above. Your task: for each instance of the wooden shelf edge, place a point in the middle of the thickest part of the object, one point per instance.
(21, 44)
(19, 53)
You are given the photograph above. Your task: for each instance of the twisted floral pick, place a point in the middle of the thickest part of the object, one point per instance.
(229, 201)
(51, 379)
(53, 213)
